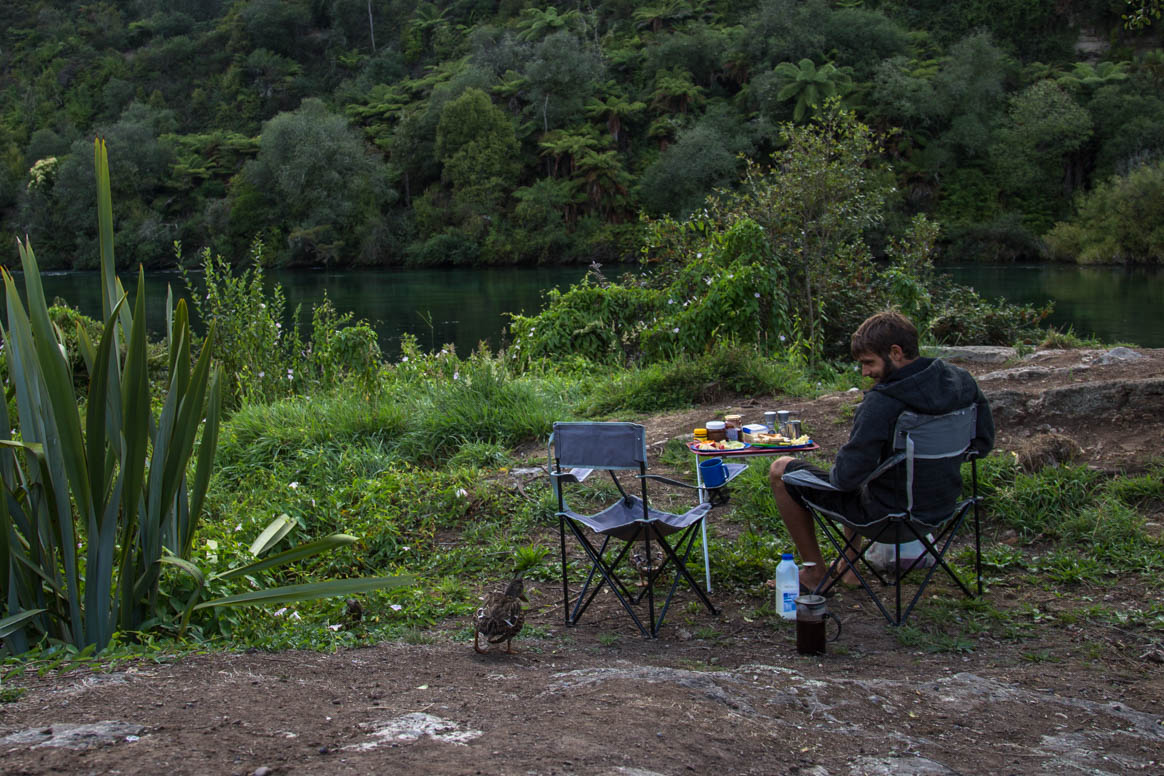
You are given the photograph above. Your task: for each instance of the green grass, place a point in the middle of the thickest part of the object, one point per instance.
(448, 513)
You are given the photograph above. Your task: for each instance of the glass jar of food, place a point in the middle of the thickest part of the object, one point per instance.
(716, 431)
(734, 427)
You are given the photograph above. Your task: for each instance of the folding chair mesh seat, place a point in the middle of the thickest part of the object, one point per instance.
(920, 443)
(576, 450)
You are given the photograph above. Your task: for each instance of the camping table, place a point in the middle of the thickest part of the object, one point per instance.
(728, 457)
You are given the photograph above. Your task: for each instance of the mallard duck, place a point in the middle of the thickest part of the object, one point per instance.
(500, 616)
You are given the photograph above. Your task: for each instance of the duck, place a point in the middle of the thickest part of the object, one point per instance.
(501, 617)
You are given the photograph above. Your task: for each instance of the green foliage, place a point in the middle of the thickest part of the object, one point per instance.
(1116, 221)
(96, 506)
(233, 118)
(809, 86)
(91, 501)
(1036, 149)
(260, 343)
(728, 369)
(316, 183)
(965, 318)
(258, 358)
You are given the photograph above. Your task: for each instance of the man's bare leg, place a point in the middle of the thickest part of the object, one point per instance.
(799, 523)
(801, 528)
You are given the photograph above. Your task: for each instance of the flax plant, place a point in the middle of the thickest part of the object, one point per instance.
(93, 503)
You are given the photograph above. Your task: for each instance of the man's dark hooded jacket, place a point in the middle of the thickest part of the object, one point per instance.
(928, 386)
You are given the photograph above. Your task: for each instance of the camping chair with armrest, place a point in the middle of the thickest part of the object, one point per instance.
(919, 441)
(576, 451)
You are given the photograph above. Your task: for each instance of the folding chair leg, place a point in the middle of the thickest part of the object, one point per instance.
(582, 602)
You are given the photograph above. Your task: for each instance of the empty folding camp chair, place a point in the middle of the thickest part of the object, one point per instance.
(659, 543)
(919, 441)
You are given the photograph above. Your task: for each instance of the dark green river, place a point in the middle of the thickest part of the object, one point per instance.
(464, 306)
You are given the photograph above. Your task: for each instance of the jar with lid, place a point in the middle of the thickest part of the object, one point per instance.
(716, 431)
(734, 425)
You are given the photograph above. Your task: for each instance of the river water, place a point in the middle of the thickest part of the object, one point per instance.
(1113, 304)
(464, 306)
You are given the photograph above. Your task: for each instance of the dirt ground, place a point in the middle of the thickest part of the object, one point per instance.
(715, 693)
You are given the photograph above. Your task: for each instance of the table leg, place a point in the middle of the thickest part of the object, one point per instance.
(703, 527)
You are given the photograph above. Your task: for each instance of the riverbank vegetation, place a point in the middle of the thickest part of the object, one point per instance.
(409, 485)
(385, 133)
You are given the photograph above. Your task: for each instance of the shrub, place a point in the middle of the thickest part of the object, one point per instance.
(1118, 222)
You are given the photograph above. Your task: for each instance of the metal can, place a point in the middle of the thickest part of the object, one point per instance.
(770, 422)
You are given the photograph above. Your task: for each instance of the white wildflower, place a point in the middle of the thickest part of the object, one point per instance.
(294, 485)
(675, 330)
(335, 627)
(279, 612)
(395, 607)
(462, 493)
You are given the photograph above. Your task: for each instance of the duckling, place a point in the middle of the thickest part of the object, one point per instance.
(500, 616)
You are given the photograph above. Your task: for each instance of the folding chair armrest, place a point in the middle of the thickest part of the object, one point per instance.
(806, 479)
(574, 475)
(733, 470)
(667, 480)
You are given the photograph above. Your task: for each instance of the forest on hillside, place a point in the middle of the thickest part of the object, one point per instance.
(369, 133)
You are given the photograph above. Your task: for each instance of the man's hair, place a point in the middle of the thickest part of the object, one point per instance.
(882, 331)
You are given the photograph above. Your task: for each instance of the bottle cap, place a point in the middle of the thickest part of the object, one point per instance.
(786, 556)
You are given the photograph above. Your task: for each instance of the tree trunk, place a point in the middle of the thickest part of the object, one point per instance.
(371, 27)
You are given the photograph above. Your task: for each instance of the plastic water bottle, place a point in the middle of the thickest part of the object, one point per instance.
(787, 586)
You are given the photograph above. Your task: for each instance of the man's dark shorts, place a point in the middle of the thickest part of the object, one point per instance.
(845, 503)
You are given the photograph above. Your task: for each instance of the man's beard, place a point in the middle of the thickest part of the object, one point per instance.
(887, 369)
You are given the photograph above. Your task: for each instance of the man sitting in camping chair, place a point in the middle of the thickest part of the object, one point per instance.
(886, 347)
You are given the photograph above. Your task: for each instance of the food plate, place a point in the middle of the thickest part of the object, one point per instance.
(783, 446)
(717, 447)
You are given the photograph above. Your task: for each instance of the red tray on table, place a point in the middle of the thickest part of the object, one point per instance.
(750, 449)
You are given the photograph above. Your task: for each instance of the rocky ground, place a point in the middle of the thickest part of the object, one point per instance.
(1060, 694)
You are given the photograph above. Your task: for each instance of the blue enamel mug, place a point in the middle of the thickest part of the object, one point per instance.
(712, 472)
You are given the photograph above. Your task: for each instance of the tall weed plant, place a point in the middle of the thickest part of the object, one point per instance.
(260, 345)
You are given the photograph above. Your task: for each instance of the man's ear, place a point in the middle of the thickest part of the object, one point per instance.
(896, 355)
